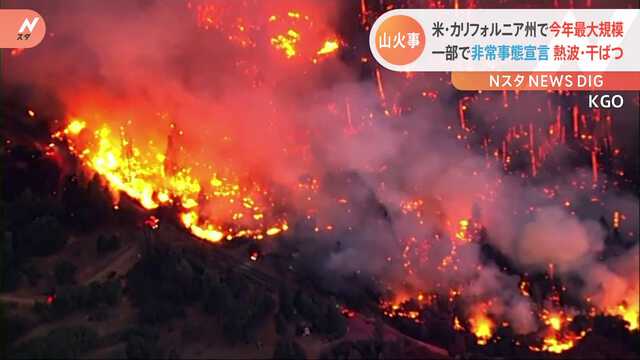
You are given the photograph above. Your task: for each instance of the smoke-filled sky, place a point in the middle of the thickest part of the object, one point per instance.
(249, 111)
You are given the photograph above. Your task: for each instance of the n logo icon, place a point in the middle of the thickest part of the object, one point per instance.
(28, 25)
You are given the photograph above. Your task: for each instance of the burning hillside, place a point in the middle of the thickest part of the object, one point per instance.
(502, 213)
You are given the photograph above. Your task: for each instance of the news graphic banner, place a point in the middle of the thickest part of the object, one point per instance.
(514, 49)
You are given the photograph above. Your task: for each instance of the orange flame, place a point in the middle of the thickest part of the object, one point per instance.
(628, 312)
(558, 338)
(328, 47)
(141, 174)
(481, 326)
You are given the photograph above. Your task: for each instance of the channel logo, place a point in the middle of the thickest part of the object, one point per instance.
(21, 28)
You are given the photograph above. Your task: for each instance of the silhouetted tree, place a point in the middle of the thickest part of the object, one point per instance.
(66, 342)
(106, 244)
(44, 236)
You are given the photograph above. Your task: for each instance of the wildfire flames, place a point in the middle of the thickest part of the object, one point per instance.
(293, 33)
(629, 313)
(148, 171)
(481, 325)
(557, 338)
(148, 176)
(290, 41)
(143, 156)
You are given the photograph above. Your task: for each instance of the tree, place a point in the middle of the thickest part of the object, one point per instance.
(218, 299)
(234, 323)
(9, 266)
(305, 305)
(282, 327)
(336, 323)
(44, 236)
(159, 312)
(140, 348)
(12, 327)
(65, 272)
(107, 292)
(106, 244)
(66, 301)
(378, 333)
(286, 302)
(42, 311)
(65, 342)
(264, 305)
(100, 198)
(112, 291)
(164, 274)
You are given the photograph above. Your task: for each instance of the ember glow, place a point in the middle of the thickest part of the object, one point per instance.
(399, 309)
(287, 42)
(328, 47)
(628, 312)
(557, 337)
(481, 325)
(297, 35)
